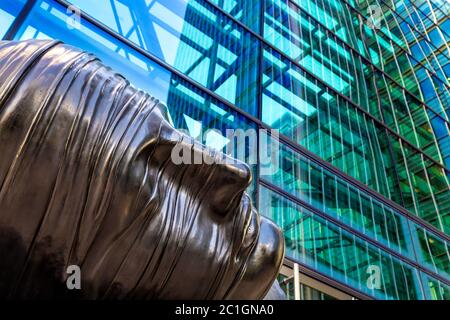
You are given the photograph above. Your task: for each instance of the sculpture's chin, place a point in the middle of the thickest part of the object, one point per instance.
(265, 258)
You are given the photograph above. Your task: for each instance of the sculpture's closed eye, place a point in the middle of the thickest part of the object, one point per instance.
(86, 179)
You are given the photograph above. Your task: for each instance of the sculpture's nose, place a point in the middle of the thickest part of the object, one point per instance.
(263, 263)
(229, 180)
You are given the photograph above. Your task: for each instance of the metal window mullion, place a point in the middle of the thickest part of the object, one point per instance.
(19, 20)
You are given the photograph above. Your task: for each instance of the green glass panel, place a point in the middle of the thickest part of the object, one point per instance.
(324, 246)
(433, 252)
(425, 186)
(309, 113)
(309, 182)
(305, 41)
(294, 31)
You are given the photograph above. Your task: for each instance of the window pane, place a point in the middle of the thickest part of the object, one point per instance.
(435, 289)
(246, 11)
(433, 252)
(315, 117)
(49, 20)
(425, 186)
(293, 28)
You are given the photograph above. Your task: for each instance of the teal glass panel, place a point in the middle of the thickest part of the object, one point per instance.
(246, 11)
(425, 186)
(315, 117)
(434, 288)
(309, 113)
(406, 116)
(433, 252)
(338, 254)
(320, 51)
(313, 184)
(191, 36)
(402, 24)
(303, 40)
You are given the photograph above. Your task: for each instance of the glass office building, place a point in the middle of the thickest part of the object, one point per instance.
(359, 91)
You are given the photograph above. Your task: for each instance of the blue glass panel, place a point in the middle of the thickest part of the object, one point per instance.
(9, 9)
(436, 37)
(49, 20)
(191, 36)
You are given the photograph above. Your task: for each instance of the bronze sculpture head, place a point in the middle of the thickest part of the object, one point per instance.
(86, 179)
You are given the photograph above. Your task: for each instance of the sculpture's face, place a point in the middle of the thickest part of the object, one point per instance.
(94, 184)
